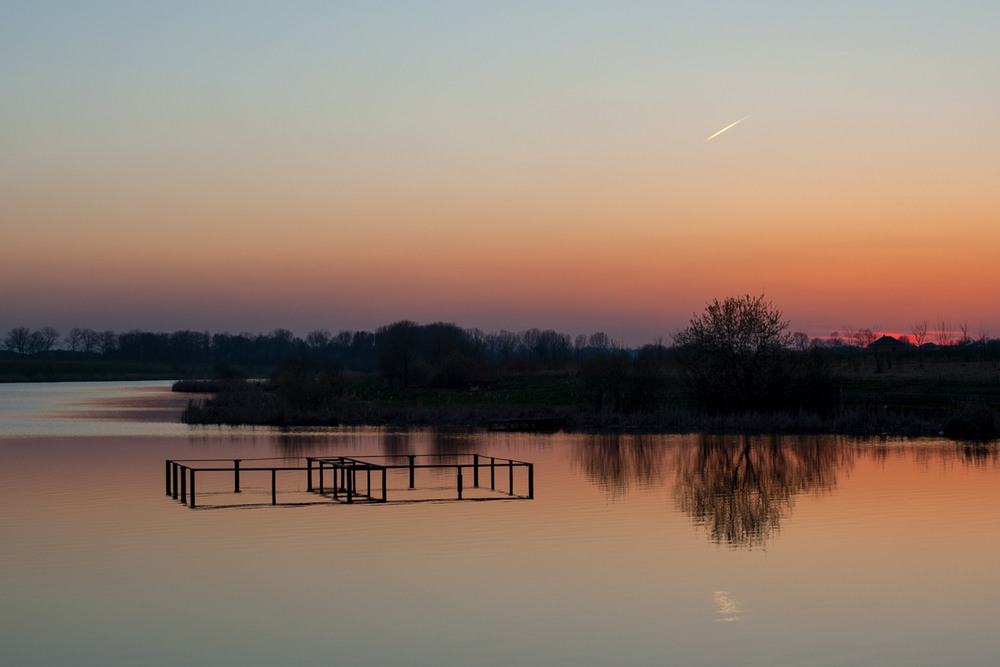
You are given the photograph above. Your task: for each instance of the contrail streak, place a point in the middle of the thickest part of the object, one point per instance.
(729, 126)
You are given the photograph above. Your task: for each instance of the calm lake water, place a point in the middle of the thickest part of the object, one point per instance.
(636, 550)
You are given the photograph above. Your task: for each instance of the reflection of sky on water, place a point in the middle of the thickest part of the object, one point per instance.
(90, 408)
(885, 540)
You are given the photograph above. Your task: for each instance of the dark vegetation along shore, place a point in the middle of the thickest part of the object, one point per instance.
(735, 368)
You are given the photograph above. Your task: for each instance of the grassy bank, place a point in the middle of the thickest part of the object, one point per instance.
(914, 397)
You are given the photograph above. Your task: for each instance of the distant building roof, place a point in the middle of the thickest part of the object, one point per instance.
(888, 343)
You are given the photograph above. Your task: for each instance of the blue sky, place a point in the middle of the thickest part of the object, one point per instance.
(249, 165)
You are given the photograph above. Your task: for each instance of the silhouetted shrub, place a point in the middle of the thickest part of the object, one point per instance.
(734, 355)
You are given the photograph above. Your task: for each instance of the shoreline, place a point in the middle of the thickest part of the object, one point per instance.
(873, 422)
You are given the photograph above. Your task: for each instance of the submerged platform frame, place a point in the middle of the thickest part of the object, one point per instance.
(346, 474)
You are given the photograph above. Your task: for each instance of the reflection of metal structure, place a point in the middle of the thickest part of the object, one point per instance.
(379, 475)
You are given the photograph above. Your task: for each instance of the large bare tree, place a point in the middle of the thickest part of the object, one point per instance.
(18, 340)
(732, 351)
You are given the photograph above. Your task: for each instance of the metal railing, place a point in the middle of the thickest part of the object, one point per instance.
(347, 473)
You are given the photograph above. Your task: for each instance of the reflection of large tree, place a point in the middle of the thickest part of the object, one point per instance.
(740, 489)
(616, 461)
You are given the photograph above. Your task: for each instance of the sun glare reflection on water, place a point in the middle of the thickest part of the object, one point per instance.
(728, 608)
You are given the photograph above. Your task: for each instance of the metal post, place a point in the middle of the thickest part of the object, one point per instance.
(475, 470)
(274, 486)
(459, 482)
(511, 462)
(236, 475)
(192, 489)
(412, 457)
(174, 466)
(369, 485)
(184, 484)
(349, 483)
(168, 477)
(493, 471)
(321, 478)
(309, 474)
(334, 481)
(531, 480)
(384, 491)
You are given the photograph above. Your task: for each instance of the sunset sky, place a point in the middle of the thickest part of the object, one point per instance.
(242, 166)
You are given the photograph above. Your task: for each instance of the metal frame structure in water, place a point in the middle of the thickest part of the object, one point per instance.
(345, 483)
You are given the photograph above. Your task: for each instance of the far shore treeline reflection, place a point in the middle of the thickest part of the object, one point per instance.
(740, 488)
(737, 489)
(735, 368)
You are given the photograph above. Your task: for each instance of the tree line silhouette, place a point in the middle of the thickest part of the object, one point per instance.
(399, 350)
(737, 358)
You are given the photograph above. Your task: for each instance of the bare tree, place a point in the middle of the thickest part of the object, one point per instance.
(732, 350)
(835, 339)
(36, 342)
(600, 340)
(964, 328)
(91, 341)
(943, 333)
(552, 347)
(919, 331)
(108, 341)
(503, 344)
(800, 340)
(75, 339)
(318, 338)
(83, 340)
(44, 340)
(18, 340)
(344, 338)
(478, 338)
(849, 335)
(865, 337)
